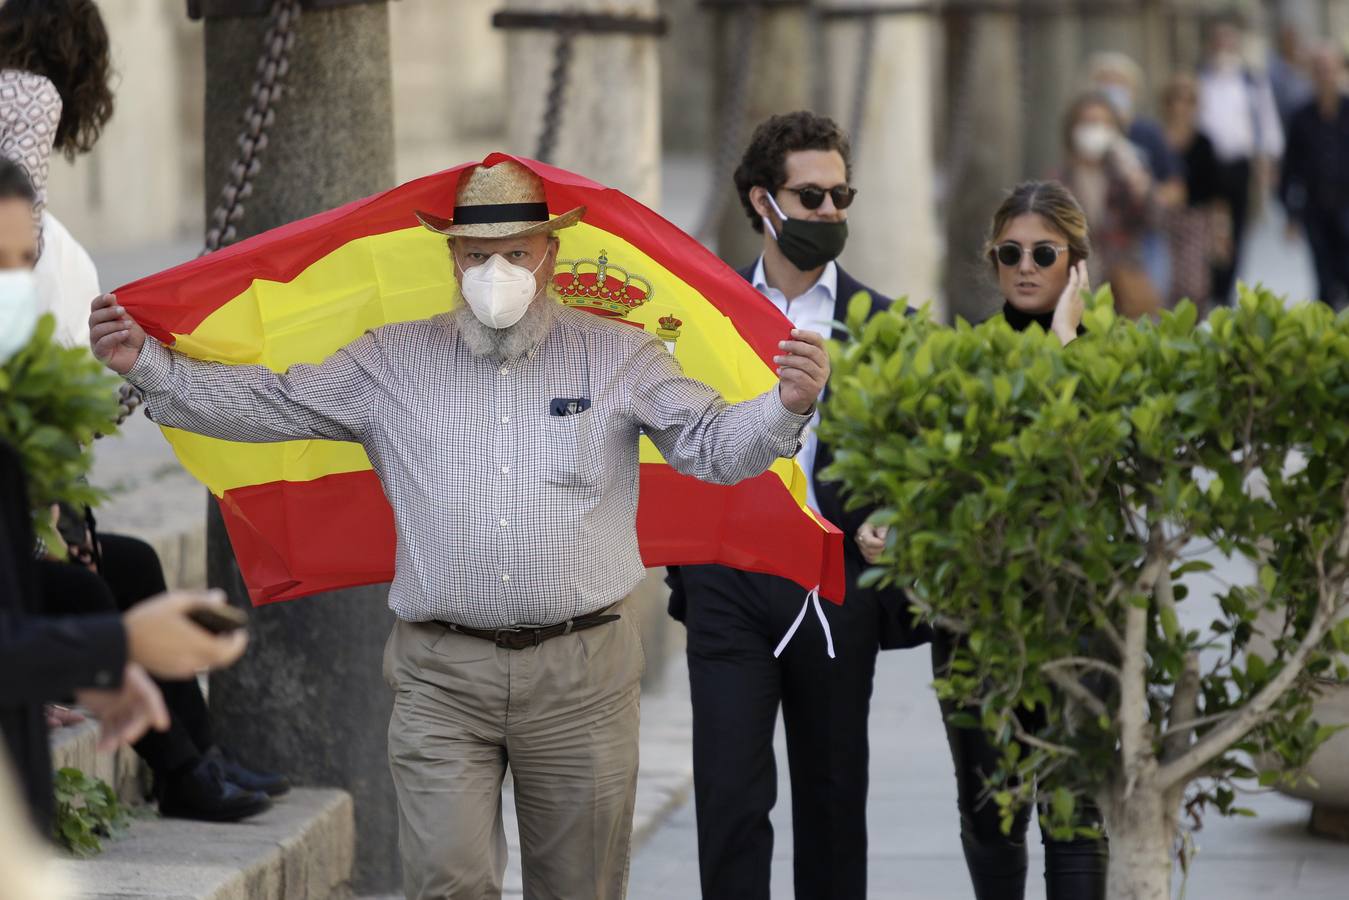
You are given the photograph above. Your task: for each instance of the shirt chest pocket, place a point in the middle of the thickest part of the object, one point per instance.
(573, 448)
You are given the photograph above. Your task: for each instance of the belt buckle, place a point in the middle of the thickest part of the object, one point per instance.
(499, 635)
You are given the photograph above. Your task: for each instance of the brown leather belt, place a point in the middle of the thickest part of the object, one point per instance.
(518, 637)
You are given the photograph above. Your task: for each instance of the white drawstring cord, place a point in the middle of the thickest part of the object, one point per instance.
(812, 597)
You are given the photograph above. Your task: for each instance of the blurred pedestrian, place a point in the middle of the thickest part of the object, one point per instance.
(1290, 73)
(1199, 229)
(1119, 78)
(746, 658)
(1315, 183)
(1237, 112)
(1109, 177)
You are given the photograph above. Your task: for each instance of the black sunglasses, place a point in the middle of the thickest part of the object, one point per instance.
(811, 197)
(1043, 255)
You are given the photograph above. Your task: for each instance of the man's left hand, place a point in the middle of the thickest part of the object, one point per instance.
(803, 370)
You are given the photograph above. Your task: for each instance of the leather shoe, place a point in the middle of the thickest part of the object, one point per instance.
(269, 783)
(204, 793)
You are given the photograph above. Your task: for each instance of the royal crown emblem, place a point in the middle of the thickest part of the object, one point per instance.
(596, 286)
(667, 328)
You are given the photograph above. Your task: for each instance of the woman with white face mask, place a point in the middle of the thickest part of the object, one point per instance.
(1107, 175)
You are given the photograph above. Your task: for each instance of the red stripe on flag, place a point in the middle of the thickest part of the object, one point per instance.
(672, 504)
(338, 531)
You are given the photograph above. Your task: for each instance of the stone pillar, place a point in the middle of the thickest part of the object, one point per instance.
(781, 50)
(610, 126)
(1053, 63)
(893, 241)
(308, 698)
(983, 149)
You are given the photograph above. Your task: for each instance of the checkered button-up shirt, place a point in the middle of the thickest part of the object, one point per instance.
(507, 513)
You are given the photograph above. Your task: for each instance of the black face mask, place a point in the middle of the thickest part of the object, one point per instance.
(809, 244)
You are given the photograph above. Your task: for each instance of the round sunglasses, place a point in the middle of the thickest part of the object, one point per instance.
(1043, 255)
(811, 197)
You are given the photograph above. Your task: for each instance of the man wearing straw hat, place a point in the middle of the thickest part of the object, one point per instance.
(512, 646)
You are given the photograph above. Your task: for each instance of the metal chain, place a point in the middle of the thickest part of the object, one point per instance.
(557, 95)
(273, 65)
(733, 114)
(862, 89)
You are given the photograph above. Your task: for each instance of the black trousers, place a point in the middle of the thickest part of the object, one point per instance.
(1328, 238)
(1234, 188)
(131, 572)
(735, 619)
(1074, 870)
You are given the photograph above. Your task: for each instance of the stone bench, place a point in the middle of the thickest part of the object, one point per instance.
(300, 849)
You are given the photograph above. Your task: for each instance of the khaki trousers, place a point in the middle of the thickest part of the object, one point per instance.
(563, 715)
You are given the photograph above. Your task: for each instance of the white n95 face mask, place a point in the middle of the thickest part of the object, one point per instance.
(18, 310)
(499, 292)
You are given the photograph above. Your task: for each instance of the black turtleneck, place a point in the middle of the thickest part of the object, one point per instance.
(1020, 321)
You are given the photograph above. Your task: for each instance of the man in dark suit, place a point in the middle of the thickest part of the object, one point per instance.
(793, 183)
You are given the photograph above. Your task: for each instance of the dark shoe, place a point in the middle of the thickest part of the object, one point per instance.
(204, 793)
(269, 783)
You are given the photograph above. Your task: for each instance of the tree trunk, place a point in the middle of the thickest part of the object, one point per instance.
(308, 698)
(1142, 831)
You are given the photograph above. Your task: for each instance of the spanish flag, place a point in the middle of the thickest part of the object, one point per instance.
(309, 516)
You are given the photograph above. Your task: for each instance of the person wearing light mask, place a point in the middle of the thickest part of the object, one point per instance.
(505, 434)
(746, 658)
(102, 659)
(1120, 79)
(1109, 178)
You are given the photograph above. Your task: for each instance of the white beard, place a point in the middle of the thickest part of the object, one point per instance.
(511, 342)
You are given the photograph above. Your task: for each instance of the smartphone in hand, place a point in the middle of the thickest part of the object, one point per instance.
(218, 618)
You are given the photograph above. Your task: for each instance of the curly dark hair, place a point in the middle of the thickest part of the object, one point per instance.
(765, 161)
(64, 41)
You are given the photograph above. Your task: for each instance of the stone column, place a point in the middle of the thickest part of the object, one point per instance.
(1053, 63)
(983, 149)
(781, 52)
(610, 126)
(308, 698)
(893, 240)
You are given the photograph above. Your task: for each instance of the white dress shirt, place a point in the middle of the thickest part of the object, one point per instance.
(1229, 115)
(812, 311)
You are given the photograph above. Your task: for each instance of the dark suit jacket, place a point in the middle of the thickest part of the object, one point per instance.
(41, 659)
(897, 629)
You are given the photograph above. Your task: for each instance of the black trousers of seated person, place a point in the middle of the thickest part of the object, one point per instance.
(735, 619)
(998, 862)
(131, 572)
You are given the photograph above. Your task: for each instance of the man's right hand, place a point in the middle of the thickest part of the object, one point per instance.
(114, 336)
(165, 641)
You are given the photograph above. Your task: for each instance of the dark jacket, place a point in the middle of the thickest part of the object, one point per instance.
(897, 628)
(41, 659)
(1315, 172)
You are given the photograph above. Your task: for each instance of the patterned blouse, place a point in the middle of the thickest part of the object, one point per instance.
(30, 110)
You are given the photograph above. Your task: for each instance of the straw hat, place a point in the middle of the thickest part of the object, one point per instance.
(500, 201)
